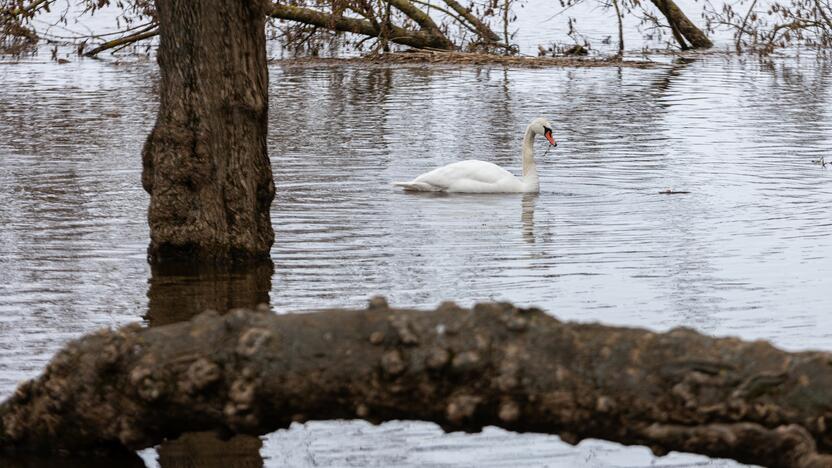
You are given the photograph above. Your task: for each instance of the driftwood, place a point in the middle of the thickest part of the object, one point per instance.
(252, 372)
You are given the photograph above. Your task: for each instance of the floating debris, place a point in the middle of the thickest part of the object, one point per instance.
(672, 192)
(820, 162)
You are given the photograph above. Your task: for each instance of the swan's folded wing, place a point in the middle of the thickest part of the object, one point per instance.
(418, 186)
(472, 170)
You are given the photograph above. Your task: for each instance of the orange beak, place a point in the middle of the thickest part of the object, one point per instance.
(549, 137)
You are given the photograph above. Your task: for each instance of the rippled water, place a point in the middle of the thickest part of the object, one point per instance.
(747, 252)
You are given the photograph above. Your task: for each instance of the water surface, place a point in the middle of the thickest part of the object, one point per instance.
(747, 252)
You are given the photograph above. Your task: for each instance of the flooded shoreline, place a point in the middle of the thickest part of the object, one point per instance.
(747, 252)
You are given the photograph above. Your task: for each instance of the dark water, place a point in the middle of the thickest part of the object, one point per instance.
(747, 252)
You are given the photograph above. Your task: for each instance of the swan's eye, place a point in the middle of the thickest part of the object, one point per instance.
(547, 130)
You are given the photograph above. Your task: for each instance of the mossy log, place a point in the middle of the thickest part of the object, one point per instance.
(252, 372)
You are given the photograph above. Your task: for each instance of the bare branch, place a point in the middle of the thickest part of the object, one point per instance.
(423, 20)
(418, 39)
(481, 28)
(147, 33)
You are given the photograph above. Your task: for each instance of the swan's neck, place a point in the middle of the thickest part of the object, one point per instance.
(529, 168)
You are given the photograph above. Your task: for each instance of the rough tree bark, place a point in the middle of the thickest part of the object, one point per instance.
(683, 29)
(205, 162)
(253, 372)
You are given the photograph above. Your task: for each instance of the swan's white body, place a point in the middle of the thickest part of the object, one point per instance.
(474, 176)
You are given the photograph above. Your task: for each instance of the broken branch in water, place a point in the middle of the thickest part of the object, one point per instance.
(151, 31)
(253, 372)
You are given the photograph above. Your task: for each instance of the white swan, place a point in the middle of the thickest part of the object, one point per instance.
(475, 176)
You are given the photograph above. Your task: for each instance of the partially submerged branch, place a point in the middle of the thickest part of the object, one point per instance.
(145, 33)
(424, 21)
(683, 29)
(254, 372)
(484, 30)
(620, 21)
(399, 35)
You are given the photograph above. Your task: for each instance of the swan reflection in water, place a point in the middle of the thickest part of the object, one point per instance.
(527, 216)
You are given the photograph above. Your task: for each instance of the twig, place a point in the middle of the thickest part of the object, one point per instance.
(742, 27)
(27, 10)
(456, 17)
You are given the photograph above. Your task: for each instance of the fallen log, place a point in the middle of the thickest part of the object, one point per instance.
(252, 372)
(682, 27)
(484, 30)
(419, 39)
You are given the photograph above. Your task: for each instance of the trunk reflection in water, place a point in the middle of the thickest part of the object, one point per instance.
(177, 291)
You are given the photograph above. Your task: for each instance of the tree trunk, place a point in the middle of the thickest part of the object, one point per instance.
(205, 162)
(682, 27)
(254, 372)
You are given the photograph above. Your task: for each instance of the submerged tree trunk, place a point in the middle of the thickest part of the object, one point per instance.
(253, 372)
(205, 162)
(683, 29)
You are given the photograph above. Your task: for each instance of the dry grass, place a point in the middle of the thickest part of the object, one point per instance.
(423, 57)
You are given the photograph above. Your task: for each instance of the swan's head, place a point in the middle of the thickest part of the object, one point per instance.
(543, 127)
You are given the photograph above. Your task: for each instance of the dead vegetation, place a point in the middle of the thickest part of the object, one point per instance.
(430, 57)
(317, 27)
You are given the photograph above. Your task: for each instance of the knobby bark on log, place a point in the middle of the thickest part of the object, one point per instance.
(682, 27)
(205, 162)
(419, 39)
(252, 372)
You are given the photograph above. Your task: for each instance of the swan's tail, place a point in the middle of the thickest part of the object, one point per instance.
(414, 186)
